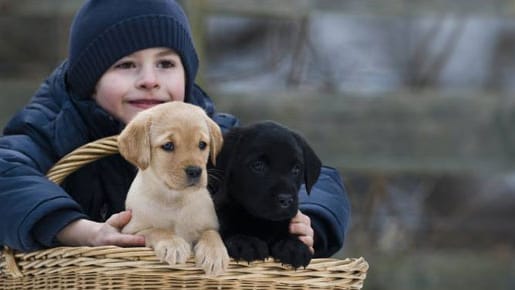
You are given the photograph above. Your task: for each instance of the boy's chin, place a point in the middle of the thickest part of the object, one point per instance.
(131, 112)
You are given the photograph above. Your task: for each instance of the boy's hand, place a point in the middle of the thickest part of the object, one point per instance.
(84, 232)
(300, 225)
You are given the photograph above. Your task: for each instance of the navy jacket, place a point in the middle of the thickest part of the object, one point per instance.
(33, 209)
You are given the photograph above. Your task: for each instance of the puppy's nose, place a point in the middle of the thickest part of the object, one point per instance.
(193, 172)
(285, 200)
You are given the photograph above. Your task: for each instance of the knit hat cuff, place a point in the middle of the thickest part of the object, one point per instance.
(124, 38)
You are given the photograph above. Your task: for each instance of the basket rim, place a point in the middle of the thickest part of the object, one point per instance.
(114, 260)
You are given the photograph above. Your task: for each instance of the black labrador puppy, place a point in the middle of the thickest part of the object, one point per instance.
(255, 188)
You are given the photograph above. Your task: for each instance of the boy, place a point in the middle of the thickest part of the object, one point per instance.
(124, 56)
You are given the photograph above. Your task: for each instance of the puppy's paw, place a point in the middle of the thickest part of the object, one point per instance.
(246, 248)
(291, 251)
(211, 254)
(173, 251)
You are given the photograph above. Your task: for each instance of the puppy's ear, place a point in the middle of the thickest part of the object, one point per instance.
(221, 176)
(230, 148)
(134, 141)
(216, 139)
(312, 164)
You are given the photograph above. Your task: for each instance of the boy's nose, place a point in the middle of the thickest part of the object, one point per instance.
(148, 79)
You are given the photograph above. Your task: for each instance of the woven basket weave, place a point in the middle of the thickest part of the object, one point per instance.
(110, 267)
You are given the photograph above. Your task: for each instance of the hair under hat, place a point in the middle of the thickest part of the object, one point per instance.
(104, 31)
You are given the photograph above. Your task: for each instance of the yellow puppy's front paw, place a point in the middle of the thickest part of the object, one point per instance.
(173, 251)
(211, 255)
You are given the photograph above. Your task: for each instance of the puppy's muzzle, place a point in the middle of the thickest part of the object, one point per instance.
(193, 174)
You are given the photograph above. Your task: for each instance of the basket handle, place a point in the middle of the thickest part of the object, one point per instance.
(83, 155)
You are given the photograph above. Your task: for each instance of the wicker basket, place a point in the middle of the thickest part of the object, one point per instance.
(111, 267)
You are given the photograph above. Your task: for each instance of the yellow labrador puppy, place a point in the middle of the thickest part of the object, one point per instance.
(171, 206)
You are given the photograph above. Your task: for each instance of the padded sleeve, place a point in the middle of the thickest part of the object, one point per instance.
(33, 208)
(329, 210)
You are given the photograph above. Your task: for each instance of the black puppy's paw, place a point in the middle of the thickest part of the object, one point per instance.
(246, 248)
(291, 251)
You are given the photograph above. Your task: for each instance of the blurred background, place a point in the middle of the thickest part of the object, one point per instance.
(412, 101)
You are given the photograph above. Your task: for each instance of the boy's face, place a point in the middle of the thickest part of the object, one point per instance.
(139, 81)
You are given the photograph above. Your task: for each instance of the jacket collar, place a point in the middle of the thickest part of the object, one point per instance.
(99, 123)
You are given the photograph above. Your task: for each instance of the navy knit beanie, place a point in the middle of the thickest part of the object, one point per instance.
(104, 31)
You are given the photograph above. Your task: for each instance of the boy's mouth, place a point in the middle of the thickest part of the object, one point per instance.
(145, 104)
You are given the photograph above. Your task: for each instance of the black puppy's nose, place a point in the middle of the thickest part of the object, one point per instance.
(285, 200)
(193, 172)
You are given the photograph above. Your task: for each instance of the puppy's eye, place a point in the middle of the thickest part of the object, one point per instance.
(258, 166)
(168, 146)
(202, 145)
(296, 169)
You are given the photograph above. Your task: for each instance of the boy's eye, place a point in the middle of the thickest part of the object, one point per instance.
(125, 65)
(166, 64)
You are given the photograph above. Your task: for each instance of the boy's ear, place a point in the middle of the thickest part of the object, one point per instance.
(134, 141)
(216, 139)
(312, 164)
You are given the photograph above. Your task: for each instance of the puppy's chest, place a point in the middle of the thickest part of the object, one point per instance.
(187, 216)
(167, 214)
(162, 214)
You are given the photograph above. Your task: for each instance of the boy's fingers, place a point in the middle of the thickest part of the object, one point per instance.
(131, 240)
(301, 225)
(301, 218)
(308, 241)
(301, 229)
(119, 220)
